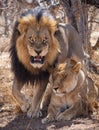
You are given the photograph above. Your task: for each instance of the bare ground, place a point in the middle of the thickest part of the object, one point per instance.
(12, 120)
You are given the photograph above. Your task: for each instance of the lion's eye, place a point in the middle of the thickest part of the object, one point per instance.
(64, 77)
(31, 41)
(45, 40)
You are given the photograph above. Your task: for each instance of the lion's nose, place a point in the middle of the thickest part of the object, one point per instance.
(38, 51)
(55, 89)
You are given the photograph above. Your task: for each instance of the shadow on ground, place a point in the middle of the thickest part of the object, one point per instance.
(21, 122)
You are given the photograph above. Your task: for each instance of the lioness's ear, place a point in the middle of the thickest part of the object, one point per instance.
(61, 67)
(22, 28)
(77, 67)
(72, 61)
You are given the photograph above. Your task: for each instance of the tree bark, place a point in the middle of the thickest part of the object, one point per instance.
(5, 4)
(92, 2)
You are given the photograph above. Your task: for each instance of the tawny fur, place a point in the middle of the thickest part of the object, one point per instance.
(62, 42)
(24, 56)
(72, 93)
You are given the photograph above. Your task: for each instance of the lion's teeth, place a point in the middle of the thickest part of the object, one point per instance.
(37, 59)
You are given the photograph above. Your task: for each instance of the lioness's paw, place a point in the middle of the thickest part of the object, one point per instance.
(25, 107)
(47, 120)
(61, 117)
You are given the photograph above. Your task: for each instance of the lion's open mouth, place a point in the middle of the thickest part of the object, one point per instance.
(37, 59)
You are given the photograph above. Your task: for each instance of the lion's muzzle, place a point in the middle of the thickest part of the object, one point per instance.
(37, 59)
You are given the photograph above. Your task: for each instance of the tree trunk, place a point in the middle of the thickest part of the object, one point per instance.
(5, 4)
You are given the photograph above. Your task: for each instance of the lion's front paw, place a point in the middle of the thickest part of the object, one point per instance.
(31, 113)
(34, 114)
(61, 117)
(25, 107)
(47, 119)
(39, 114)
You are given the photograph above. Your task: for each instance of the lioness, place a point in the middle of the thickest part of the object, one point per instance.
(38, 43)
(72, 93)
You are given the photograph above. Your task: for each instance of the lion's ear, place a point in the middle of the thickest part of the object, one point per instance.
(77, 67)
(22, 28)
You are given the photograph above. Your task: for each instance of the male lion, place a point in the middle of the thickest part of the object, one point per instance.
(72, 93)
(38, 44)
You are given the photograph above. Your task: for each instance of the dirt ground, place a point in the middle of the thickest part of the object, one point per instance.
(12, 120)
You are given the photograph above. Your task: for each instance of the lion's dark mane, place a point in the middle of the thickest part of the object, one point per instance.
(20, 72)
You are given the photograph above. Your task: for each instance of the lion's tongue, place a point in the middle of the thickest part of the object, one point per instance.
(37, 58)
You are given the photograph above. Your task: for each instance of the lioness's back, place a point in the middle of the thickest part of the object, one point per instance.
(74, 41)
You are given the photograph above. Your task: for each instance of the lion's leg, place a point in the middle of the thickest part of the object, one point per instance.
(20, 98)
(68, 114)
(46, 98)
(39, 90)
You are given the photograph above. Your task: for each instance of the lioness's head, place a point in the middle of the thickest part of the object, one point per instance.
(65, 77)
(36, 45)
